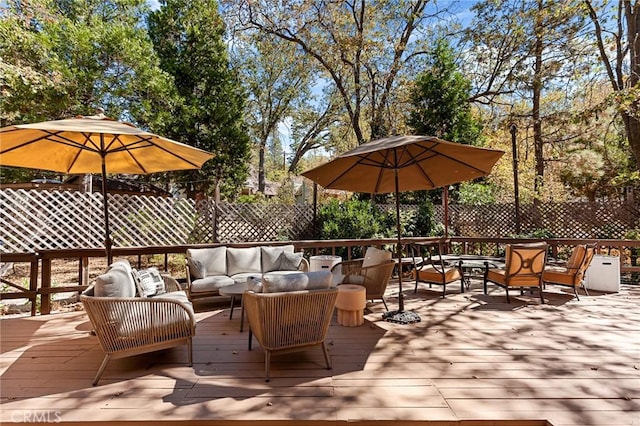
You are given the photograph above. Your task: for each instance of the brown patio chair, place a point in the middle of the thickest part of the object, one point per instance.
(433, 269)
(373, 272)
(524, 265)
(289, 321)
(572, 273)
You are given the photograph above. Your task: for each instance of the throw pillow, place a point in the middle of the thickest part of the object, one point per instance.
(254, 284)
(319, 280)
(275, 283)
(197, 268)
(271, 256)
(290, 261)
(149, 282)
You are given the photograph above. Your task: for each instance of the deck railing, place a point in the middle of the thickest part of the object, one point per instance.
(38, 287)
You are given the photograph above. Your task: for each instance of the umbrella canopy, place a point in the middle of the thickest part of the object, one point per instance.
(421, 162)
(95, 144)
(404, 163)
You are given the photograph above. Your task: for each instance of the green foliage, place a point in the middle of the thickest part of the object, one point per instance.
(472, 193)
(189, 39)
(422, 224)
(353, 219)
(440, 100)
(67, 58)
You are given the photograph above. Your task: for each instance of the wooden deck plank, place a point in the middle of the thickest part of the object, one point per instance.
(472, 357)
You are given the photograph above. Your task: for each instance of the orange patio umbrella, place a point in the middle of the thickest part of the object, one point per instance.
(404, 163)
(95, 144)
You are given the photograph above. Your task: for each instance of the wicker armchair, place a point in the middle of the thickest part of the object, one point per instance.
(127, 326)
(289, 321)
(373, 272)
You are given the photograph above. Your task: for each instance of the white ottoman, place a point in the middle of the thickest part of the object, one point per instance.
(350, 304)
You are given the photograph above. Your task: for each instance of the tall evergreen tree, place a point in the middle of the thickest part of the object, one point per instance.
(440, 101)
(189, 39)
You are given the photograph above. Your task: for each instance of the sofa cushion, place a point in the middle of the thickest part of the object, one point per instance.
(270, 256)
(179, 296)
(246, 259)
(275, 283)
(116, 282)
(210, 283)
(207, 261)
(290, 261)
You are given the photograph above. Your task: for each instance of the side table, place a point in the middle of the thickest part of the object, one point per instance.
(232, 291)
(350, 304)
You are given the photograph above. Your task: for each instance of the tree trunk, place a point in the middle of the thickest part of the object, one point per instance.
(631, 120)
(537, 94)
(261, 175)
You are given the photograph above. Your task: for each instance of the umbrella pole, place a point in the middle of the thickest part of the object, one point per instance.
(107, 239)
(400, 316)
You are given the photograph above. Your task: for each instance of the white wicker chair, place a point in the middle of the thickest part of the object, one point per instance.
(289, 321)
(127, 326)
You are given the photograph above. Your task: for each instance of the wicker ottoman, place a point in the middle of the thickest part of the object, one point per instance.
(350, 304)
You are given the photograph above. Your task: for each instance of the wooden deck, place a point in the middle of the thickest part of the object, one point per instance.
(472, 357)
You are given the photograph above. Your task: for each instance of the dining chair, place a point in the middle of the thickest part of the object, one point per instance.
(433, 269)
(572, 273)
(524, 265)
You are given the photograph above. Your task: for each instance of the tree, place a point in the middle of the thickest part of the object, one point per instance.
(623, 65)
(65, 58)
(361, 47)
(440, 100)
(531, 47)
(189, 39)
(276, 81)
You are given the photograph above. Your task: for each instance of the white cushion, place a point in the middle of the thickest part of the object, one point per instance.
(271, 256)
(210, 283)
(254, 284)
(116, 282)
(375, 256)
(209, 261)
(246, 259)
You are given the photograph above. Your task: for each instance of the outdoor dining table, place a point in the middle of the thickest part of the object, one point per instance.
(472, 262)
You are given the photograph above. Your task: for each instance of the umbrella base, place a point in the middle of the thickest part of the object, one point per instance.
(401, 317)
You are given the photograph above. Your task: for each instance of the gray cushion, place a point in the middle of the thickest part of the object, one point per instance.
(210, 283)
(208, 261)
(274, 283)
(116, 282)
(290, 261)
(254, 284)
(246, 259)
(271, 256)
(319, 280)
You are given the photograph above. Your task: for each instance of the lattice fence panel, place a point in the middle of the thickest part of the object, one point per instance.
(263, 222)
(36, 220)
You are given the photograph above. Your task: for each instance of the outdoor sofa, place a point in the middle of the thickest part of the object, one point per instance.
(209, 269)
(134, 312)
